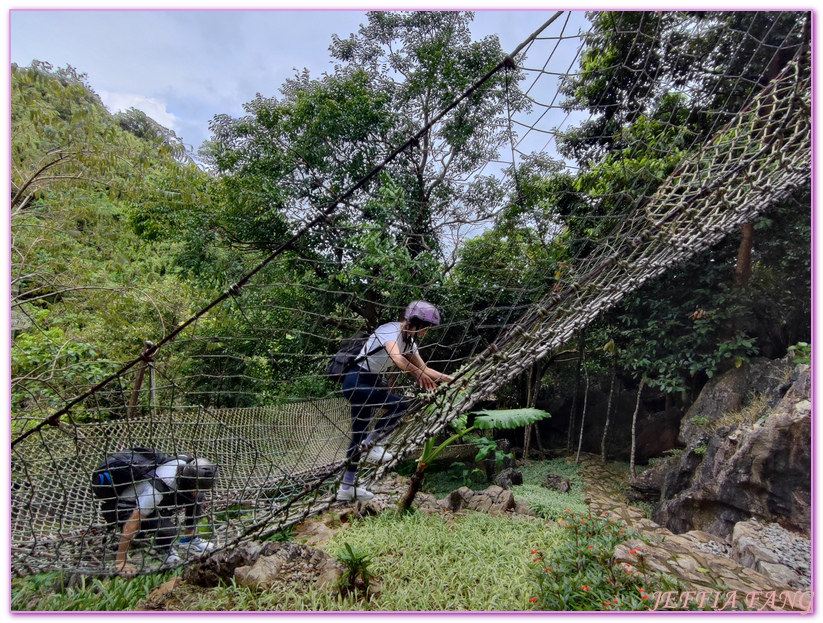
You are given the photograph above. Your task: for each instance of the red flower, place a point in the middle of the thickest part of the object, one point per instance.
(641, 590)
(615, 600)
(533, 599)
(634, 551)
(585, 588)
(645, 596)
(591, 546)
(548, 568)
(534, 551)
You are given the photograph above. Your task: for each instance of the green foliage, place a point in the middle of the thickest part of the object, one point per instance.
(286, 535)
(700, 450)
(428, 564)
(466, 476)
(549, 503)
(801, 353)
(579, 571)
(86, 293)
(481, 420)
(357, 567)
(50, 592)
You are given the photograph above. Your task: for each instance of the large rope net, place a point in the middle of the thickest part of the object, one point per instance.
(242, 381)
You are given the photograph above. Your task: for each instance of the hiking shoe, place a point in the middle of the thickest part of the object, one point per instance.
(169, 556)
(378, 454)
(197, 546)
(351, 494)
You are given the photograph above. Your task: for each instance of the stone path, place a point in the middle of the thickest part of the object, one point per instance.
(719, 581)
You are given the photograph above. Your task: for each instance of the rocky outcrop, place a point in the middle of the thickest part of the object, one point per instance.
(494, 500)
(772, 551)
(509, 478)
(266, 566)
(748, 454)
(557, 483)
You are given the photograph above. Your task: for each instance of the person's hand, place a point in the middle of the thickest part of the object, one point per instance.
(426, 383)
(126, 570)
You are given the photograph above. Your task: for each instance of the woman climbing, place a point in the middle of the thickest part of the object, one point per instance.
(391, 345)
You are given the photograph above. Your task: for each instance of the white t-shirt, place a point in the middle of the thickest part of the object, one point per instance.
(146, 495)
(380, 361)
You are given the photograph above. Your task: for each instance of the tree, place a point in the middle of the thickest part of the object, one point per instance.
(501, 419)
(290, 156)
(86, 292)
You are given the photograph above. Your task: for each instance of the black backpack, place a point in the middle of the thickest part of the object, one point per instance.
(121, 469)
(346, 358)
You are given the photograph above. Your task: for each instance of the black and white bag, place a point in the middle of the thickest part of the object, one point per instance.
(119, 471)
(348, 356)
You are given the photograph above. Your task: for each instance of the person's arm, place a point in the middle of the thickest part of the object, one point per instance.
(414, 365)
(433, 374)
(132, 526)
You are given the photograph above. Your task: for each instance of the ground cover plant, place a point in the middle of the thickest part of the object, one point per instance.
(579, 571)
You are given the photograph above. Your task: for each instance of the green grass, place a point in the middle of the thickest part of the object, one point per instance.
(421, 562)
(548, 503)
(44, 592)
(471, 562)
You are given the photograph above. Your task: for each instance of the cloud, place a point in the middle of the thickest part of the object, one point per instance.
(153, 107)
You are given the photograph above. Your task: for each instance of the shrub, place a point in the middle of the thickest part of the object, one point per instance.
(579, 573)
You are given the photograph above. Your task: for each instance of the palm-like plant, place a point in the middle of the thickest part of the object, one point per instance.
(479, 420)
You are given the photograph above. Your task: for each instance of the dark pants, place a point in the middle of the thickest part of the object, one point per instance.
(366, 392)
(160, 527)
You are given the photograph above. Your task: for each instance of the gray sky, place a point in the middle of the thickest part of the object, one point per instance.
(182, 67)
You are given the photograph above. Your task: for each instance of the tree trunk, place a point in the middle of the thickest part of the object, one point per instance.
(743, 269)
(415, 482)
(583, 415)
(138, 384)
(634, 426)
(608, 413)
(573, 414)
(531, 400)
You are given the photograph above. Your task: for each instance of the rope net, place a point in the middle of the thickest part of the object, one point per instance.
(243, 382)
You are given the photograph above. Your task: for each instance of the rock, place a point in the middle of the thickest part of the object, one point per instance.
(753, 469)
(289, 564)
(731, 392)
(558, 483)
(219, 567)
(660, 434)
(508, 478)
(747, 547)
(779, 573)
(155, 599)
(315, 531)
(522, 508)
(493, 500)
(259, 576)
(648, 486)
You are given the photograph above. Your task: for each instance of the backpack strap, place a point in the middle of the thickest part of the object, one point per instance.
(365, 357)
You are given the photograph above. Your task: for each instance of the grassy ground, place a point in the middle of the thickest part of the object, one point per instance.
(472, 562)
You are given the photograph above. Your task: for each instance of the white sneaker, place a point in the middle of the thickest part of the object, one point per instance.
(197, 546)
(351, 494)
(378, 454)
(170, 557)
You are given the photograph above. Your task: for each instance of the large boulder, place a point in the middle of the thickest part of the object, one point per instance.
(495, 500)
(735, 468)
